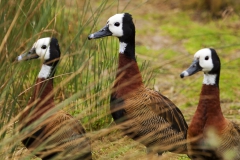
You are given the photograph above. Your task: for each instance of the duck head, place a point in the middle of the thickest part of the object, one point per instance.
(205, 60)
(46, 49)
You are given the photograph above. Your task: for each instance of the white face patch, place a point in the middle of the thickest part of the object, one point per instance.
(122, 47)
(45, 71)
(209, 79)
(115, 24)
(42, 47)
(205, 59)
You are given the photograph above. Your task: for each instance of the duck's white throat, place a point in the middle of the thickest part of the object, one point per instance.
(122, 47)
(209, 79)
(45, 71)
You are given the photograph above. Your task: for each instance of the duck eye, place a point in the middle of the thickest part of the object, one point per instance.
(117, 24)
(44, 47)
(206, 58)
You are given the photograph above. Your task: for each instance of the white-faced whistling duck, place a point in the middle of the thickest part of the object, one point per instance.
(61, 135)
(208, 119)
(144, 115)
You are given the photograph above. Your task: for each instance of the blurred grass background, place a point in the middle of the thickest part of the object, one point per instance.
(168, 33)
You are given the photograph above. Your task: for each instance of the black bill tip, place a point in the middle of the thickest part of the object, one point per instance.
(91, 36)
(184, 74)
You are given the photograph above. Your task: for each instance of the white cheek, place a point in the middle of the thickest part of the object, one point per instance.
(116, 31)
(43, 53)
(207, 65)
(47, 55)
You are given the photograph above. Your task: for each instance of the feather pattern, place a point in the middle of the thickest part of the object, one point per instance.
(154, 120)
(209, 118)
(61, 134)
(145, 114)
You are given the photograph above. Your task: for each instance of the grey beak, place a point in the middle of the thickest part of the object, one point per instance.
(28, 55)
(194, 68)
(101, 33)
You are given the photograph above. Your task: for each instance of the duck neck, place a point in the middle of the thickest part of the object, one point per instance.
(209, 111)
(42, 98)
(47, 71)
(211, 79)
(209, 98)
(127, 46)
(210, 101)
(128, 76)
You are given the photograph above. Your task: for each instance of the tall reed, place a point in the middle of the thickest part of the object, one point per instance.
(84, 76)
